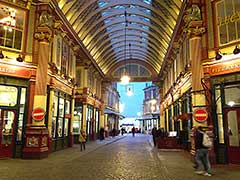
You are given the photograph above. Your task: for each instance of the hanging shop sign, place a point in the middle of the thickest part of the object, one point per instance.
(38, 114)
(200, 115)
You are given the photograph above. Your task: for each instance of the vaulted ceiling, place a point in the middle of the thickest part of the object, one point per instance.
(119, 32)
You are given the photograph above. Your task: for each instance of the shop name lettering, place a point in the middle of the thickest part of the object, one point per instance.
(7, 70)
(228, 19)
(225, 68)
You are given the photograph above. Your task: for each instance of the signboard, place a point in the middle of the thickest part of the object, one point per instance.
(38, 114)
(200, 115)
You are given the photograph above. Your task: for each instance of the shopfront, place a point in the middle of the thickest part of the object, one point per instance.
(227, 118)
(90, 123)
(224, 78)
(60, 120)
(13, 104)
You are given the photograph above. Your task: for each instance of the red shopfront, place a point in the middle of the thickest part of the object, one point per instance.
(224, 80)
(14, 93)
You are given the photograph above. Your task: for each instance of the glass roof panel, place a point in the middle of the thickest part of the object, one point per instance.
(108, 26)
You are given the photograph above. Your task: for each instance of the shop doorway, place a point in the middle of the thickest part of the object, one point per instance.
(232, 117)
(7, 132)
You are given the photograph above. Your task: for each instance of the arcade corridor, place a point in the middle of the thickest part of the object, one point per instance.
(119, 158)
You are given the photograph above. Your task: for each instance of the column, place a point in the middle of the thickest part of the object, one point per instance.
(36, 142)
(194, 32)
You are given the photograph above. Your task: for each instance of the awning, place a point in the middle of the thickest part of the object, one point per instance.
(148, 117)
(109, 111)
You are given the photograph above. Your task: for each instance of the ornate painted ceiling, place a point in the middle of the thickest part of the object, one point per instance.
(124, 33)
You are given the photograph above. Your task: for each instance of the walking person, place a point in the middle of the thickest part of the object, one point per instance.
(82, 139)
(101, 133)
(122, 131)
(202, 157)
(154, 135)
(133, 131)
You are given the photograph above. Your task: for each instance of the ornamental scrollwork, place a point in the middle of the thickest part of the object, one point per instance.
(195, 31)
(41, 36)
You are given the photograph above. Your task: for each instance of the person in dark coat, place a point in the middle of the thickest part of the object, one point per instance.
(133, 131)
(101, 132)
(202, 158)
(154, 135)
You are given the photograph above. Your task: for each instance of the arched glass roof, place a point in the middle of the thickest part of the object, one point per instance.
(116, 31)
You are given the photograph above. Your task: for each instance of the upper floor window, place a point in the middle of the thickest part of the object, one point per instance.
(11, 27)
(228, 21)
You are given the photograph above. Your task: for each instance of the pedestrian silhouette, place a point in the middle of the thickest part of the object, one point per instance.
(82, 139)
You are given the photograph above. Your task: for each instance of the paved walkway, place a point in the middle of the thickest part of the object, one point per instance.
(119, 158)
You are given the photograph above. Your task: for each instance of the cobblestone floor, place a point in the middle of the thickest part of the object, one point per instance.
(128, 158)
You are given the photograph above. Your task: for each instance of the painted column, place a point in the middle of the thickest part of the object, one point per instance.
(194, 31)
(84, 120)
(36, 134)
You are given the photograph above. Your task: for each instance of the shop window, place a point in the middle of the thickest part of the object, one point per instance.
(77, 122)
(7, 127)
(89, 117)
(54, 118)
(219, 114)
(61, 116)
(97, 120)
(11, 27)
(232, 95)
(233, 129)
(228, 21)
(21, 114)
(8, 95)
(67, 117)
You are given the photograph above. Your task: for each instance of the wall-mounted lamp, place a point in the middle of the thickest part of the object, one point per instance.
(236, 50)
(19, 58)
(1, 54)
(218, 56)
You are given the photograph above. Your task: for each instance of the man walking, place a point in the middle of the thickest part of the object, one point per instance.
(202, 158)
(154, 135)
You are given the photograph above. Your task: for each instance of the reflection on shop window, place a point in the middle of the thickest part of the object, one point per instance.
(21, 114)
(97, 125)
(67, 116)
(77, 119)
(61, 116)
(11, 27)
(60, 126)
(233, 129)
(232, 95)
(8, 95)
(89, 116)
(54, 114)
(219, 115)
(7, 127)
(66, 127)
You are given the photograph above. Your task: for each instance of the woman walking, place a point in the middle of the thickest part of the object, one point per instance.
(82, 139)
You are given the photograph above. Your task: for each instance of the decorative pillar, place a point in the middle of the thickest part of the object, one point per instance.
(194, 30)
(84, 114)
(36, 134)
(101, 123)
(71, 138)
